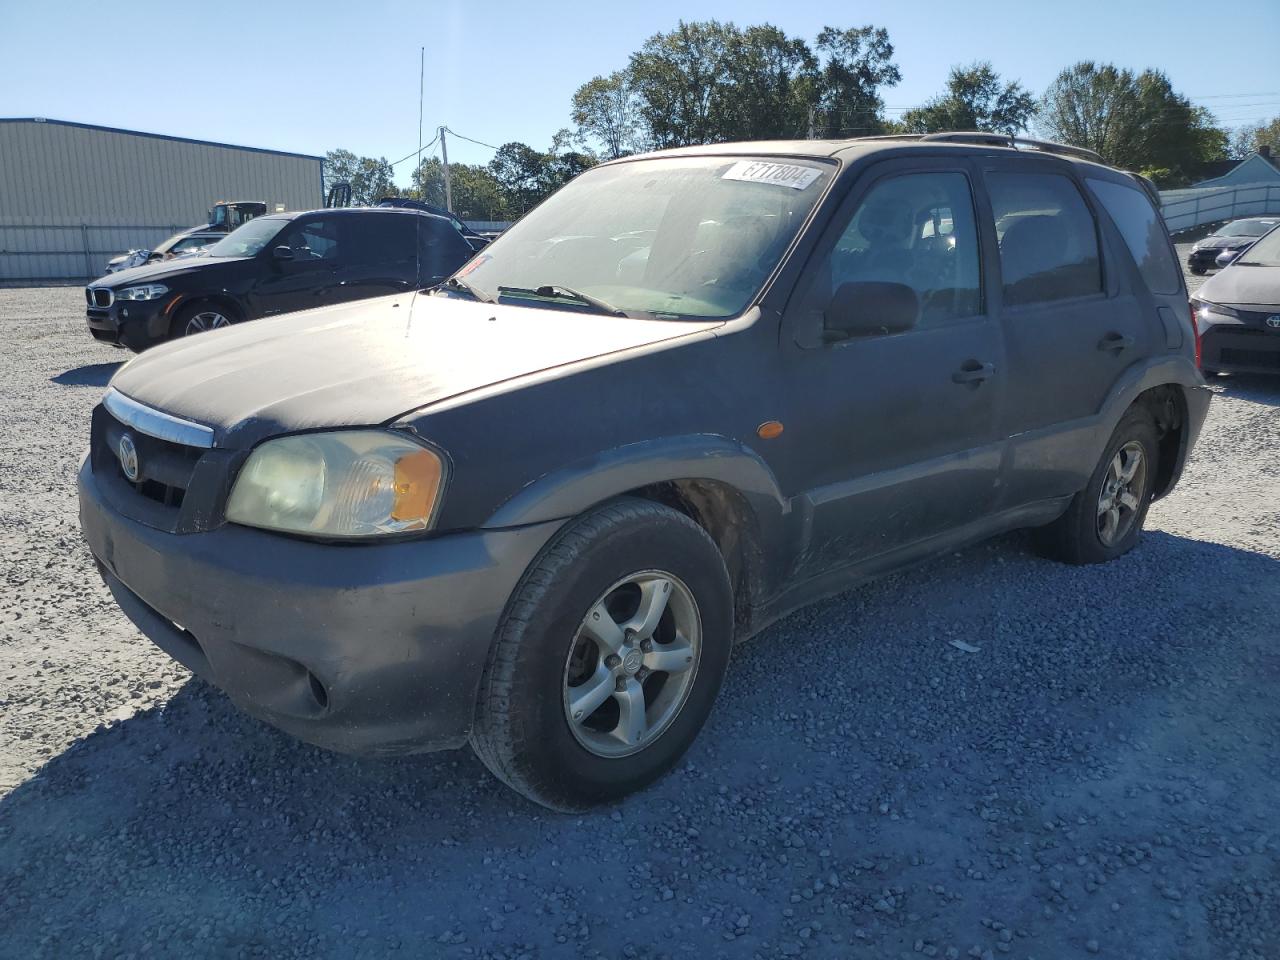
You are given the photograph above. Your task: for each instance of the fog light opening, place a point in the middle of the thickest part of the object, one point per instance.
(318, 692)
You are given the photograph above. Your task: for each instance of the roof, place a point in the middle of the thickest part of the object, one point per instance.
(159, 136)
(1266, 166)
(984, 143)
(343, 211)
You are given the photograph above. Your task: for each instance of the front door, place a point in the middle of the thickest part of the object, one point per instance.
(895, 435)
(308, 279)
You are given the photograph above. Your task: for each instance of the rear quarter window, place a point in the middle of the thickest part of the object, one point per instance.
(1139, 223)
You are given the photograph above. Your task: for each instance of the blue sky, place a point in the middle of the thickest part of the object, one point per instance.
(312, 76)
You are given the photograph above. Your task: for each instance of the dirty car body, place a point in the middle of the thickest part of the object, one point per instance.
(813, 450)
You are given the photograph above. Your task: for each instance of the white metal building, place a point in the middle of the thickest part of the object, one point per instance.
(73, 195)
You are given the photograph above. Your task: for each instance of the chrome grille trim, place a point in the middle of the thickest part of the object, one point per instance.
(156, 423)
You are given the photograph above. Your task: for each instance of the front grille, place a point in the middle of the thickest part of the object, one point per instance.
(164, 468)
(99, 296)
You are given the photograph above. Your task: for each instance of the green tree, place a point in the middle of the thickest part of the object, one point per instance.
(521, 174)
(855, 64)
(679, 77)
(1135, 121)
(370, 177)
(606, 110)
(975, 99)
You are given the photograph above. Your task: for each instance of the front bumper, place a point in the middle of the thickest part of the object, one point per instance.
(367, 649)
(136, 324)
(1236, 348)
(1205, 258)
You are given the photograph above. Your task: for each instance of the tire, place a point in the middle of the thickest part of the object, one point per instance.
(525, 731)
(201, 317)
(1079, 535)
(1199, 271)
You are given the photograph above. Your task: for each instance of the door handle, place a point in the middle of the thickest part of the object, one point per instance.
(974, 372)
(1115, 341)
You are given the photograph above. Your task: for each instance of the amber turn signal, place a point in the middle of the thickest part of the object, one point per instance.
(769, 429)
(417, 480)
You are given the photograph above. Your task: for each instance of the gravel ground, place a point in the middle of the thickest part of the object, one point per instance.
(1101, 777)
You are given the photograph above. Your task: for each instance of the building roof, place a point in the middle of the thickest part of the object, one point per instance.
(1261, 163)
(159, 136)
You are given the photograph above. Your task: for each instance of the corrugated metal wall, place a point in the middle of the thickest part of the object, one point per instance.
(72, 196)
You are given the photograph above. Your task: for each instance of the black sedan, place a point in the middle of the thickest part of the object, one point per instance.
(276, 264)
(1231, 236)
(1238, 312)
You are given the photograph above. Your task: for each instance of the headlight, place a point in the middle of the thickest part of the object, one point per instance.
(349, 483)
(1216, 313)
(147, 292)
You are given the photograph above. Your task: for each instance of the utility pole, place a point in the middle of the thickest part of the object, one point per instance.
(448, 186)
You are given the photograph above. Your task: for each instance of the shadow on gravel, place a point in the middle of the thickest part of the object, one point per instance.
(1254, 387)
(90, 375)
(861, 782)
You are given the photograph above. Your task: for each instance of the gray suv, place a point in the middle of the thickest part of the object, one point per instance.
(534, 508)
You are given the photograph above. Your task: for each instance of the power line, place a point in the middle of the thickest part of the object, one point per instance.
(480, 143)
(418, 152)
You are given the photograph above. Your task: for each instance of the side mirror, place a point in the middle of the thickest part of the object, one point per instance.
(282, 252)
(870, 308)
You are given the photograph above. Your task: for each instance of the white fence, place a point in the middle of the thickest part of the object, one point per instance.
(1187, 209)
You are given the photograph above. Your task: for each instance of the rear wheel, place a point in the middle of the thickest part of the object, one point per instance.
(1105, 519)
(608, 659)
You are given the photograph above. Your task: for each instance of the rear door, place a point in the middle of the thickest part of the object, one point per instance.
(1071, 322)
(379, 254)
(309, 279)
(894, 437)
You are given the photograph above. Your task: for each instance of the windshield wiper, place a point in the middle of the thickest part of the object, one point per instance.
(462, 286)
(556, 291)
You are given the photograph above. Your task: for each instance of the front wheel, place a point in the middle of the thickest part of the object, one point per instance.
(608, 658)
(200, 318)
(1105, 519)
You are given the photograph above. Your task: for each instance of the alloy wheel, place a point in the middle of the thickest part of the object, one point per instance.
(205, 320)
(632, 663)
(1119, 501)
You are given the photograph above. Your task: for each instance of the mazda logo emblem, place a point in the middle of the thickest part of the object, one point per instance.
(128, 453)
(1273, 321)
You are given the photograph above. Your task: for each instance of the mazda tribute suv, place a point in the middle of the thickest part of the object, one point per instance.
(534, 507)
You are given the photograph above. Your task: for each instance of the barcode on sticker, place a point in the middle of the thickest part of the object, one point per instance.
(779, 174)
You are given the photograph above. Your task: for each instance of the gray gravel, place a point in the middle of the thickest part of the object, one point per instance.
(1100, 778)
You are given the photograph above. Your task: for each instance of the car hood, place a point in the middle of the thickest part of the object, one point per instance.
(1224, 242)
(163, 270)
(1243, 286)
(368, 362)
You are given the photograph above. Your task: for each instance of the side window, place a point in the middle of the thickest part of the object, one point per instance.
(312, 240)
(917, 229)
(1048, 239)
(378, 238)
(443, 248)
(1139, 224)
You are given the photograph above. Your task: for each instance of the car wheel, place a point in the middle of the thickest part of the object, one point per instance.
(608, 658)
(200, 318)
(1105, 519)
(1198, 271)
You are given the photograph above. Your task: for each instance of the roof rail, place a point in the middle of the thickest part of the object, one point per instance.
(1004, 140)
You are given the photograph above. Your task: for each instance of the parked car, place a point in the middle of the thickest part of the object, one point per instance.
(1232, 236)
(127, 260)
(272, 265)
(536, 508)
(184, 244)
(1239, 312)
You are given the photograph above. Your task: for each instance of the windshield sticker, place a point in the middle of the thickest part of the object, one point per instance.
(779, 174)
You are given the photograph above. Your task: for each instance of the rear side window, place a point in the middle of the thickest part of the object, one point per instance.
(1139, 224)
(379, 238)
(1048, 239)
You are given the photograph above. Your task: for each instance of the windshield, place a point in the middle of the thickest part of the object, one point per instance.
(1247, 228)
(247, 240)
(679, 237)
(1264, 253)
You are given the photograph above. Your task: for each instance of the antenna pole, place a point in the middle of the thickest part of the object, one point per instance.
(448, 186)
(422, 61)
